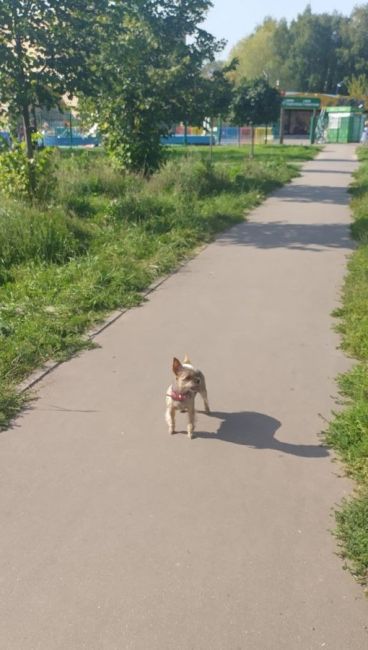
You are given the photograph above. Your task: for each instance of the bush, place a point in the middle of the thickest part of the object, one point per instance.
(27, 178)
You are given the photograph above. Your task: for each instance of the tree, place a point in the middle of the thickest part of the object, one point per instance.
(150, 76)
(215, 92)
(314, 51)
(358, 89)
(255, 102)
(45, 50)
(258, 54)
(354, 42)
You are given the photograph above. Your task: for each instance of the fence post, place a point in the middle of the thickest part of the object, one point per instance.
(252, 134)
(312, 128)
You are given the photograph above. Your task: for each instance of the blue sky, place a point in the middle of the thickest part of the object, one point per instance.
(234, 19)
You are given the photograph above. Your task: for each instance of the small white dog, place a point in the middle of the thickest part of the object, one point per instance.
(181, 394)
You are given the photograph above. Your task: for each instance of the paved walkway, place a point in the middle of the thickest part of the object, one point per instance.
(115, 536)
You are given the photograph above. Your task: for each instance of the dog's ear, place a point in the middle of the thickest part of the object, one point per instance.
(177, 367)
(186, 359)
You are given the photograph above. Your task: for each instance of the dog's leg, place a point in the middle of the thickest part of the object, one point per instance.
(170, 418)
(191, 418)
(205, 400)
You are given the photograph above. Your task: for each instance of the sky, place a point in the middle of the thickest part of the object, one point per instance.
(235, 19)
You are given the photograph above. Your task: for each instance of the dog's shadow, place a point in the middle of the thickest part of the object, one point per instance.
(257, 431)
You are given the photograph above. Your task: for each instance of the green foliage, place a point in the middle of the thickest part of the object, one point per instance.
(358, 87)
(313, 57)
(258, 55)
(213, 93)
(25, 177)
(150, 78)
(313, 53)
(354, 42)
(45, 50)
(139, 65)
(255, 102)
(134, 143)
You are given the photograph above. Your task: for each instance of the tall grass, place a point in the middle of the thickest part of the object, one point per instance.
(39, 234)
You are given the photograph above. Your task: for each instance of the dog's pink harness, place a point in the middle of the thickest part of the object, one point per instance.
(178, 397)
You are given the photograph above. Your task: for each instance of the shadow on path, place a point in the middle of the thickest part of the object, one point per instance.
(326, 171)
(313, 193)
(349, 161)
(257, 431)
(280, 234)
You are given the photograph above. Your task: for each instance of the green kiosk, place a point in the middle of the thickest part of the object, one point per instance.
(298, 116)
(345, 123)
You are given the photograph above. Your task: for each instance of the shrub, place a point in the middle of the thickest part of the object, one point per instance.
(28, 178)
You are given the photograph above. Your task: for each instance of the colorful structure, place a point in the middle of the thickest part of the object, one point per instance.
(298, 115)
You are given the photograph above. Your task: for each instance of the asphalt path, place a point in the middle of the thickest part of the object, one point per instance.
(117, 536)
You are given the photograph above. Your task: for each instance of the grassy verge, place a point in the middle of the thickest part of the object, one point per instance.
(103, 237)
(348, 433)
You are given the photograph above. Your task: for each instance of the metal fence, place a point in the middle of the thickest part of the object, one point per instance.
(222, 134)
(63, 129)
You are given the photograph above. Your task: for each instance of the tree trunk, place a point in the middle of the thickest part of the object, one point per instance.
(219, 130)
(27, 131)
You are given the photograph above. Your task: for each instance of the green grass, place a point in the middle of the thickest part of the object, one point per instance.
(104, 237)
(231, 154)
(348, 432)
